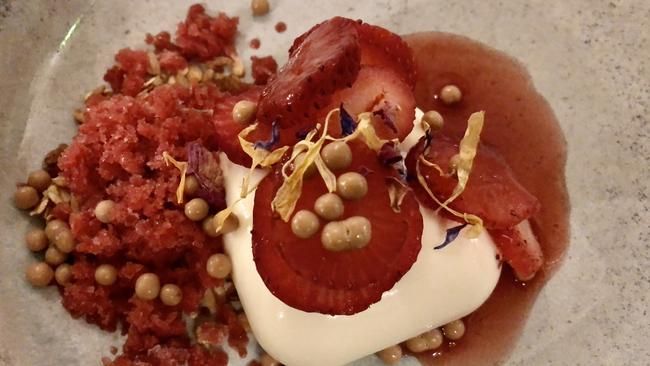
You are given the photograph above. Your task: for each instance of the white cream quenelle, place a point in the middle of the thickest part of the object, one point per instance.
(441, 286)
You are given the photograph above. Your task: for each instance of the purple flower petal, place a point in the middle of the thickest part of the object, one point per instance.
(347, 122)
(204, 165)
(275, 137)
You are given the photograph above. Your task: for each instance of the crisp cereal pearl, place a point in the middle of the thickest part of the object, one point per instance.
(171, 295)
(334, 236)
(105, 275)
(454, 330)
(450, 94)
(191, 186)
(434, 120)
(433, 338)
(351, 185)
(147, 286)
(36, 240)
(39, 179)
(196, 209)
(104, 211)
(359, 231)
(53, 227)
(244, 112)
(39, 274)
(304, 224)
(63, 274)
(391, 355)
(219, 266)
(64, 241)
(260, 7)
(54, 257)
(337, 155)
(26, 197)
(416, 344)
(329, 206)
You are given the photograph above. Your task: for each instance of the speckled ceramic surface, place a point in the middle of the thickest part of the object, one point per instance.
(590, 59)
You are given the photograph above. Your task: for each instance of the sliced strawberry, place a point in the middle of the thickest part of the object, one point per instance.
(520, 249)
(326, 60)
(304, 275)
(380, 90)
(379, 47)
(227, 129)
(492, 192)
(382, 47)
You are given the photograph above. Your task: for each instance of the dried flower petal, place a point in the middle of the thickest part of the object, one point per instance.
(260, 157)
(397, 190)
(288, 194)
(451, 235)
(467, 152)
(275, 137)
(389, 155)
(182, 168)
(347, 122)
(205, 166)
(469, 218)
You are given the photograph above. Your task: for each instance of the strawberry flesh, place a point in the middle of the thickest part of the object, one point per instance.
(381, 90)
(381, 47)
(304, 275)
(492, 192)
(327, 59)
(520, 249)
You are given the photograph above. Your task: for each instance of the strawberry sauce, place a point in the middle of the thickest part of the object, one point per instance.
(522, 127)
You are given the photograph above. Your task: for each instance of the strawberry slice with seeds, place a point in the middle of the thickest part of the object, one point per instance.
(381, 47)
(326, 59)
(520, 249)
(492, 192)
(306, 276)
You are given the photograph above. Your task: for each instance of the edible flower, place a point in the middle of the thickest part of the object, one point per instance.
(452, 234)
(467, 152)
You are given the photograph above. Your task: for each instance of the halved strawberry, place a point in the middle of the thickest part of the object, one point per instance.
(306, 276)
(380, 90)
(520, 249)
(326, 60)
(382, 47)
(492, 192)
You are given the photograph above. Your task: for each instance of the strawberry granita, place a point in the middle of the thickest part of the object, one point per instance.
(127, 254)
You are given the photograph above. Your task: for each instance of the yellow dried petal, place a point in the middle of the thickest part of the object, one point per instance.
(474, 220)
(182, 167)
(467, 152)
(397, 190)
(436, 167)
(259, 157)
(367, 132)
(287, 196)
(221, 217)
(41, 207)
